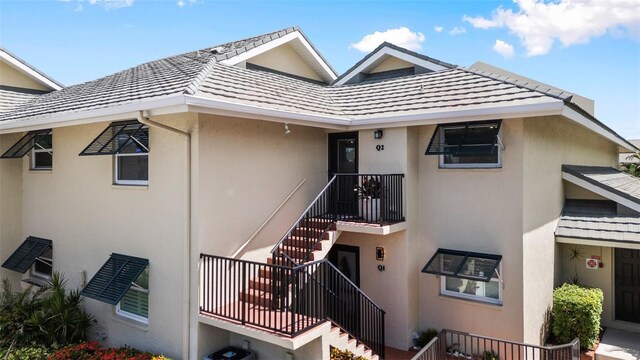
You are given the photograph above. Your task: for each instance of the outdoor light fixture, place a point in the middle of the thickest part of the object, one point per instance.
(378, 134)
(380, 253)
(286, 128)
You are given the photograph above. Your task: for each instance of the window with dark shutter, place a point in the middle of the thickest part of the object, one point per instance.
(115, 278)
(27, 254)
(467, 145)
(27, 143)
(463, 264)
(118, 136)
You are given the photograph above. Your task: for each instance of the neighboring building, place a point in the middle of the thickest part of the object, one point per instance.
(190, 229)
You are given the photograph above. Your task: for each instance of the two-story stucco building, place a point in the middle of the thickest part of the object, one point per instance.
(246, 192)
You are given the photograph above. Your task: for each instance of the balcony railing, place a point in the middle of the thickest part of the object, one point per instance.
(359, 198)
(450, 344)
(289, 300)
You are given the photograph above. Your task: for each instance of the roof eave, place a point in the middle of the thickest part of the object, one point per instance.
(575, 113)
(30, 70)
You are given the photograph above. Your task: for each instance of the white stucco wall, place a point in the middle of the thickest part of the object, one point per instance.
(549, 142)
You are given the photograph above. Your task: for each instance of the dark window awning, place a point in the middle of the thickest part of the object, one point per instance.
(463, 264)
(118, 135)
(25, 144)
(26, 254)
(114, 278)
(469, 138)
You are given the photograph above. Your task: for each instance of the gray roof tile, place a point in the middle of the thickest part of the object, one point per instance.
(609, 179)
(597, 220)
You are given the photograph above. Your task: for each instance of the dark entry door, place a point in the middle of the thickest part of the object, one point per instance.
(343, 159)
(627, 283)
(347, 259)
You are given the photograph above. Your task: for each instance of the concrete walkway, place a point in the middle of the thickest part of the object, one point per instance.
(619, 345)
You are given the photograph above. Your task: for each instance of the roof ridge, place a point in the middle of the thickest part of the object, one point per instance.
(193, 86)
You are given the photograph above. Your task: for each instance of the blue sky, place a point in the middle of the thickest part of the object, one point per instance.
(583, 46)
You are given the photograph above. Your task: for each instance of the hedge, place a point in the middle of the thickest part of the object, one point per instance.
(576, 313)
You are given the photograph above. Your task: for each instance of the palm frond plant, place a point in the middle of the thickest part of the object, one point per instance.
(370, 188)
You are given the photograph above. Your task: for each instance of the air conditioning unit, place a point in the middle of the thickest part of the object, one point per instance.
(593, 264)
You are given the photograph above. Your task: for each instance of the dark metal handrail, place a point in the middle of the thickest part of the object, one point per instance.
(289, 300)
(368, 198)
(451, 343)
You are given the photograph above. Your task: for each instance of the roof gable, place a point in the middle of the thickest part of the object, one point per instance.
(296, 40)
(383, 54)
(28, 71)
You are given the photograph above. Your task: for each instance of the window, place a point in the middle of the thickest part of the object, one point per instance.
(135, 302)
(43, 266)
(467, 145)
(128, 142)
(39, 143)
(467, 275)
(131, 164)
(42, 153)
(28, 254)
(490, 291)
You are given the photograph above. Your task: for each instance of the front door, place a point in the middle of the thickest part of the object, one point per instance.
(343, 159)
(627, 285)
(347, 259)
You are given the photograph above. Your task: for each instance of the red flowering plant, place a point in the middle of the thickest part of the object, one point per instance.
(93, 351)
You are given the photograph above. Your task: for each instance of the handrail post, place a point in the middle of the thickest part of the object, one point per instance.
(294, 297)
(244, 292)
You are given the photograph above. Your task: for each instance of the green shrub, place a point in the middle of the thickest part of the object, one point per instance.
(576, 313)
(26, 353)
(48, 316)
(337, 354)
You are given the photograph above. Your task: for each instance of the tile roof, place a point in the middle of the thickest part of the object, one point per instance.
(597, 220)
(436, 91)
(9, 98)
(155, 79)
(609, 179)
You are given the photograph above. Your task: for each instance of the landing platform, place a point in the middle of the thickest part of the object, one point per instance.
(619, 345)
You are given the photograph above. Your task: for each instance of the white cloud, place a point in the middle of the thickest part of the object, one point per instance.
(438, 29)
(183, 3)
(457, 30)
(503, 48)
(539, 24)
(401, 36)
(79, 8)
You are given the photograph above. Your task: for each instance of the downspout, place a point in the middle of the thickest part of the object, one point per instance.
(187, 249)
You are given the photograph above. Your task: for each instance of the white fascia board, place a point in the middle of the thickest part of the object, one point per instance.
(600, 191)
(168, 105)
(596, 242)
(571, 114)
(443, 117)
(328, 75)
(253, 110)
(392, 52)
(29, 70)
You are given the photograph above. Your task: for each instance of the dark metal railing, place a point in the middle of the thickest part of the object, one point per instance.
(360, 198)
(450, 344)
(289, 300)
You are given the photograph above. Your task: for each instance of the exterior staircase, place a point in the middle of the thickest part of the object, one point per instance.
(295, 246)
(343, 341)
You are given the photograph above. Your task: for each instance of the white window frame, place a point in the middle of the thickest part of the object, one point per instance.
(39, 149)
(45, 260)
(478, 298)
(497, 165)
(118, 181)
(132, 316)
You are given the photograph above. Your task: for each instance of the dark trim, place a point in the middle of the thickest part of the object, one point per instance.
(255, 67)
(24, 144)
(110, 286)
(26, 254)
(571, 170)
(332, 141)
(594, 239)
(466, 255)
(394, 47)
(346, 248)
(24, 90)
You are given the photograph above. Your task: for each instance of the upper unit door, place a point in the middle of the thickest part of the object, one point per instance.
(343, 153)
(627, 285)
